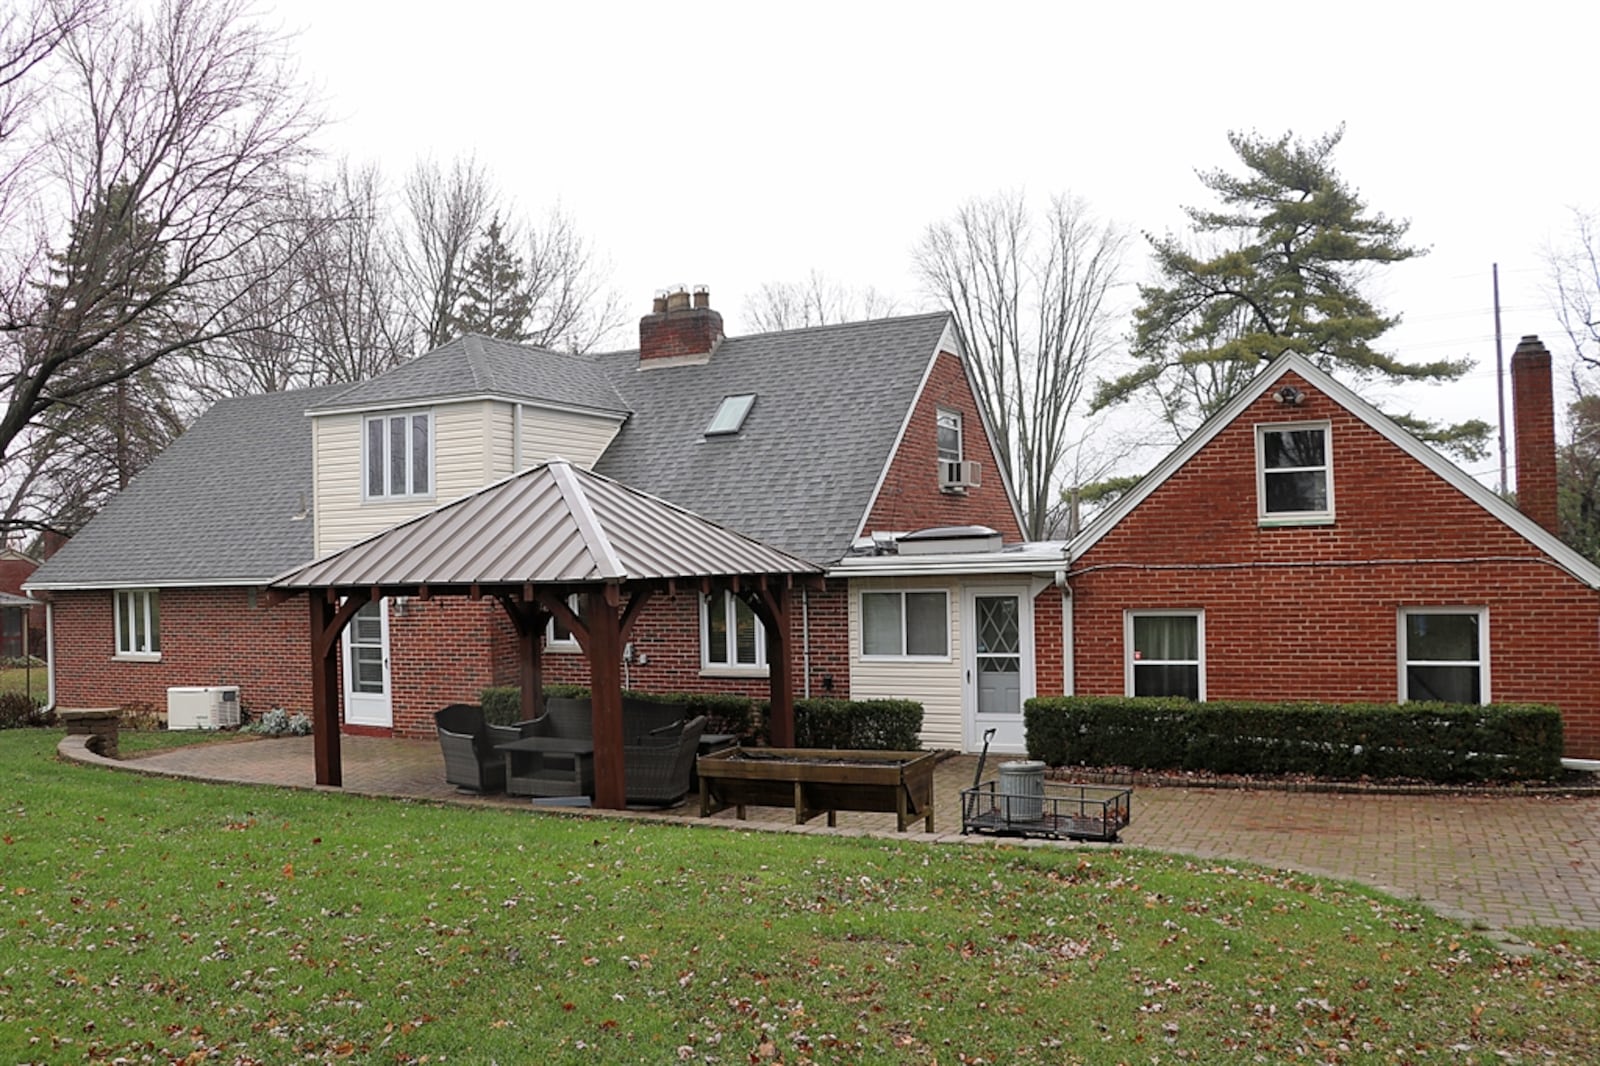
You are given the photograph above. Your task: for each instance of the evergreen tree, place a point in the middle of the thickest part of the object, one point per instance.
(1278, 267)
(494, 294)
(1578, 479)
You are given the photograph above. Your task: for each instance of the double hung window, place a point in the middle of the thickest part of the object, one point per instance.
(1444, 654)
(1166, 654)
(1294, 479)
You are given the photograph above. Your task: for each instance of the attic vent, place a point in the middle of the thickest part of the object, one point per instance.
(730, 415)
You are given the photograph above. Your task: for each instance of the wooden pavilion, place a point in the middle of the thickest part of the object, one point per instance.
(529, 542)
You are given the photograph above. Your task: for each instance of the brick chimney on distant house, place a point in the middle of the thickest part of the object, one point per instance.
(1533, 414)
(676, 332)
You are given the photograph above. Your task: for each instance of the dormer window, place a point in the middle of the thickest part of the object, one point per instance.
(398, 457)
(730, 415)
(1294, 475)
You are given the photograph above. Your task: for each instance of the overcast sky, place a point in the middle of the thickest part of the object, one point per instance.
(736, 144)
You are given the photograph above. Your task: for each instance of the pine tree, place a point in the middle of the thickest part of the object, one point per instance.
(494, 292)
(1278, 267)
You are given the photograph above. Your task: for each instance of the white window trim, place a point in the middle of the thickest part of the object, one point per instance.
(433, 471)
(961, 437)
(708, 668)
(1483, 648)
(861, 624)
(116, 613)
(1293, 518)
(1196, 613)
(562, 645)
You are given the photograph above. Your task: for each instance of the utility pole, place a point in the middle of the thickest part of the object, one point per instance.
(1500, 377)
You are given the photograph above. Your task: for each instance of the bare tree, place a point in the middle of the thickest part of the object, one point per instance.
(445, 212)
(815, 301)
(573, 310)
(1574, 289)
(147, 162)
(334, 314)
(1031, 302)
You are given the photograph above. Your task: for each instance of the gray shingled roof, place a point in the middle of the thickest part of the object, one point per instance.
(473, 365)
(829, 404)
(217, 506)
(551, 524)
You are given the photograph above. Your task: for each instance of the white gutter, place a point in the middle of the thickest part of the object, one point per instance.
(1591, 766)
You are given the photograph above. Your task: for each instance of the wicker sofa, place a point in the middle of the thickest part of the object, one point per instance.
(470, 761)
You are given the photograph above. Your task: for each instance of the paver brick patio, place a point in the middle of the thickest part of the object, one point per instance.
(1505, 861)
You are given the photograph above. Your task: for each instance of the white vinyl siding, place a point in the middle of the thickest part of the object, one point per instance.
(936, 683)
(460, 466)
(579, 439)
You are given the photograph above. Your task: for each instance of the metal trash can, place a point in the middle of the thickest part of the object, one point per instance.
(1022, 786)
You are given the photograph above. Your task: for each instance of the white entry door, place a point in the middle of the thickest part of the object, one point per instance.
(999, 666)
(366, 667)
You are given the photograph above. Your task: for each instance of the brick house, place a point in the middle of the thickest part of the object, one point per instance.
(826, 443)
(1302, 546)
(1299, 545)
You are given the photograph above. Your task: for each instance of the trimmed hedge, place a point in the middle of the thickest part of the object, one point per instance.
(1441, 742)
(724, 713)
(861, 725)
(858, 725)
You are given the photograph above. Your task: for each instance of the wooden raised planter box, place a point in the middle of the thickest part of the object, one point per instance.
(818, 780)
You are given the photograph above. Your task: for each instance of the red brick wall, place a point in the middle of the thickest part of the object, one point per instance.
(208, 637)
(446, 650)
(910, 498)
(1048, 676)
(667, 636)
(1311, 611)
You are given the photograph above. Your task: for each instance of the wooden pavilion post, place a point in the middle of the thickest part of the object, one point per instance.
(605, 696)
(529, 621)
(771, 605)
(328, 619)
(324, 693)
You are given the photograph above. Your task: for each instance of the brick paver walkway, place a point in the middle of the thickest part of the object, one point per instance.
(1504, 860)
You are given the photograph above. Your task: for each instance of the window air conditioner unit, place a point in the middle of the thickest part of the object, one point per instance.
(958, 475)
(208, 707)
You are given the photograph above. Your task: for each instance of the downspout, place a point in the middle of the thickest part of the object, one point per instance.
(805, 641)
(50, 656)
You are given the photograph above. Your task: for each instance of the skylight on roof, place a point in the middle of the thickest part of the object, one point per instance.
(730, 415)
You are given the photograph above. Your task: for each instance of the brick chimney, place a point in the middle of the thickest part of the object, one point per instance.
(680, 328)
(1533, 415)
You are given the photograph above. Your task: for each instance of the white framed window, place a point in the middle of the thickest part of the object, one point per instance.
(949, 436)
(397, 455)
(1166, 653)
(1444, 654)
(1294, 472)
(906, 624)
(557, 637)
(731, 636)
(138, 623)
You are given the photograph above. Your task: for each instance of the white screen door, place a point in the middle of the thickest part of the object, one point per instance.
(999, 667)
(366, 667)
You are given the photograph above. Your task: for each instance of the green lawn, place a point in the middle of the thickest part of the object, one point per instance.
(155, 920)
(16, 679)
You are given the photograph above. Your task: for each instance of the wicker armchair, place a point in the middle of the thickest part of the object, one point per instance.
(470, 761)
(656, 769)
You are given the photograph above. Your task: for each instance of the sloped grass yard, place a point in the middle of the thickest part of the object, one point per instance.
(157, 921)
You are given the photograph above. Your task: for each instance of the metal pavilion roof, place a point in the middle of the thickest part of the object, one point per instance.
(550, 524)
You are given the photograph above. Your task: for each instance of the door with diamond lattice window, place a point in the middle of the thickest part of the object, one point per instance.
(999, 666)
